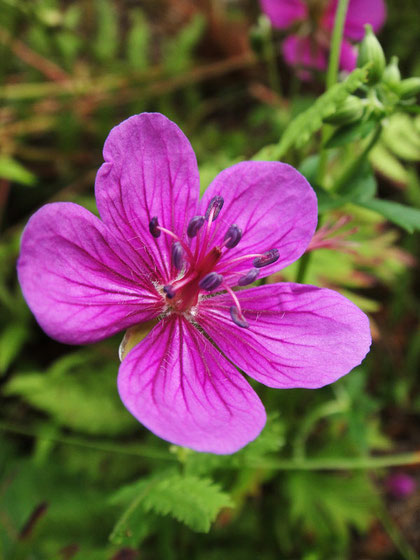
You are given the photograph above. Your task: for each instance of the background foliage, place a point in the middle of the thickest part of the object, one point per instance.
(79, 478)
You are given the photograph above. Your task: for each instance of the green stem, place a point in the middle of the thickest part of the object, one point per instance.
(403, 547)
(339, 463)
(337, 36)
(332, 74)
(270, 59)
(303, 265)
(307, 464)
(135, 451)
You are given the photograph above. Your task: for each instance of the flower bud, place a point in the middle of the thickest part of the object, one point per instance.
(259, 34)
(370, 51)
(408, 88)
(256, 40)
(392, 75)
(351, 110)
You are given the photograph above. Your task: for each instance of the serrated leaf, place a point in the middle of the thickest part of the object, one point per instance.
(404, 216)
(192, 500)
(328, 504)
(401, 137)
(387, 164)
(301, 129)
(78, 392)
(12, 170)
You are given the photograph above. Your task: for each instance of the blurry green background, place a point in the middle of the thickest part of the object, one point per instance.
(69, 72)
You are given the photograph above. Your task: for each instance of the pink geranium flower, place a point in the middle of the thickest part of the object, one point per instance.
(313, 21)
(158, 252)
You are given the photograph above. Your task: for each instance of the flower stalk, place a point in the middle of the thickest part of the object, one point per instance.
(286, 464)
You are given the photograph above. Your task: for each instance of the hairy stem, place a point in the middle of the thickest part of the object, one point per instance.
(286, 464)
(332, 73)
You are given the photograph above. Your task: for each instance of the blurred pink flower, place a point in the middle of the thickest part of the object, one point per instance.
(312, 23)
(401, 485)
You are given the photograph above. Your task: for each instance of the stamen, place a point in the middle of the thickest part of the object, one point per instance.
(237, 318)
(154, 227)
(235, 310)
(195, 225)
(211, 281)
(177, 255)
(174, 236)
(249, 277)
(169, 291)
(214, 207)
(269, 257)
(233, 236)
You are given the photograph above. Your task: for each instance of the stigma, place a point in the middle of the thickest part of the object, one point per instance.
(199, 267)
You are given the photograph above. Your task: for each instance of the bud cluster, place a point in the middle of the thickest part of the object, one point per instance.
(384, 93)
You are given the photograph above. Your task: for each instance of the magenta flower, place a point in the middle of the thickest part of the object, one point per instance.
(158, 252)
(401, 485)
(312, 22)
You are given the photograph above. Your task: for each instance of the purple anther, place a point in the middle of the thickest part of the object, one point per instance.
(154, 227)
(195, 225)
(177, 255)
(215, 204)
(169, 291)
(211, 281)
(233, 236)
(269, 257)
(237, 318)
(249, 277)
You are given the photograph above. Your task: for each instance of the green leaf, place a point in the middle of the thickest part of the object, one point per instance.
(138, 42)
(78, 391)
(361, 187)
(12, 170)
(346, 134)
(404, 216)
(401, 137)
(136, 523)
(178, 55)
(387, 164)
(301, 129)
(328, 504)
(192, 500)
(106, 41)
(11, 341)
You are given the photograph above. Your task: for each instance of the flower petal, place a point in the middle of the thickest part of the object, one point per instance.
(150, 170)
(298, 336)
(305, 53)
(359, 13)
(81, 283)
(181, 388)
(272, 203)
(283, 13)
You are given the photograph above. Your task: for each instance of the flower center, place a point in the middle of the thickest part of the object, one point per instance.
(195, 263)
